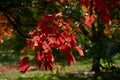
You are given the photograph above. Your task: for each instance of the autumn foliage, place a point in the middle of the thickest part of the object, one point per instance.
(5, 29)
(52, 32)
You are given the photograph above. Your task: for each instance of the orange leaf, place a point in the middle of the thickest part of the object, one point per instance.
(89, 20)
(80, 51)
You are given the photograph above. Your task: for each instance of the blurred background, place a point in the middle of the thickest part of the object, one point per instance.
(101, 44)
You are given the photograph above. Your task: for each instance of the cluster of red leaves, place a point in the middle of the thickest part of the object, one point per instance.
(103, 7)
(52, 32)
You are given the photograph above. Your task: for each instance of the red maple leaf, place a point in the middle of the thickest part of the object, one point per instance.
(65, 49)
(48, 65)
(70, 58)
(24, 68)
(39, 63)
(39, 56)
(23, 64)
(24, 61)
(89, 20)
(32, 32)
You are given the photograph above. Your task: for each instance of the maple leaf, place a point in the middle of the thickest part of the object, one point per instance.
(48, 64)
(32, 32)
(36, 38)
(49, 56)
(39, 56)
(45, 46)
(58, 14)
(52, 40)
(55, 29)
(24, 61)
(29, 42)
(61, 40)
(80, 51)
(39, 63)
(64, 34)
(73, 40)
(24, 68)
(89, 20)
(71, 58)
(23, 64)
(65, 49)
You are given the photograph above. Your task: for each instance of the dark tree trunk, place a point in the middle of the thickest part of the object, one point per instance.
(96, 64)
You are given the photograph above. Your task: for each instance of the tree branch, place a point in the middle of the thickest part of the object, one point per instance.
(15, 26)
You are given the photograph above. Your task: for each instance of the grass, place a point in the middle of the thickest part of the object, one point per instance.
(48, 75)
(64, 72)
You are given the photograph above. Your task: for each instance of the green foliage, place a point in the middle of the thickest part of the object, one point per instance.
(10, 48)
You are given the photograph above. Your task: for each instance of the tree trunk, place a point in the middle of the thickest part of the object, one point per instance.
(96, 64)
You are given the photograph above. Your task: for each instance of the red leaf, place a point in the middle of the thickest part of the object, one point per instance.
(48, 64)
(74, 36)
(89, 20)
(52, 40)
(73, 41)
(45, 46)
(64, 34)
(36, 38)
(29, 42)
(58, 14)
(39, 56)
(24, 61)
(68, 39)
(57, 44)
(24, 68)
(23, 64)
(48, 18)
(61, 40)
(32, 32)
(49, 56)
(55, 29)
(39, 23)
(71, 58)
(80, 51)
(65, 49)
(39, 64)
